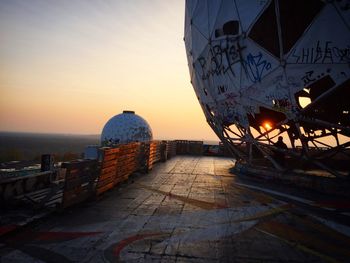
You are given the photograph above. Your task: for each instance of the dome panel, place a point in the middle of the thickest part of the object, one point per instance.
(124, 128)
(272, 67)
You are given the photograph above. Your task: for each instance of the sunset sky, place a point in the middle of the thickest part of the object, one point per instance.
(68, 66)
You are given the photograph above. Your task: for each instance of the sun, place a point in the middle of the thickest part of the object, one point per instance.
(267, 125)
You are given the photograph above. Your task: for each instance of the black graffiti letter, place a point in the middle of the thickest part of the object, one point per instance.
(327, 52)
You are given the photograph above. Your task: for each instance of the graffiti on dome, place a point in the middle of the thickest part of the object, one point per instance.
(256, 66)
(322, 53)
(219, 59)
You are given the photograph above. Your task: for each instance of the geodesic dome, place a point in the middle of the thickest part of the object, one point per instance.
(262, 69)
(124, 128)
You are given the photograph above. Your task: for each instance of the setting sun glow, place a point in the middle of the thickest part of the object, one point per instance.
(267, 125)
(69, 66)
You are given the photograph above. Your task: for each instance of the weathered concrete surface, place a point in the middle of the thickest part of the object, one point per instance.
(312, 180)
(189, 209)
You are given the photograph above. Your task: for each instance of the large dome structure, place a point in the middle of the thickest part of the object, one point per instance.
(124, 128)
(264, 69)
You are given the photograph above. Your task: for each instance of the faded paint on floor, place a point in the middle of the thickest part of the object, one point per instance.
(188, 209)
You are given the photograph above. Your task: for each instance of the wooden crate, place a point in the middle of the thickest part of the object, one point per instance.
(181, 147)
(163, 151)
(171, 149)
(128, 161)
(143, 157)
(154, 153)
(79, 181)
(195, 147)
(108, 171)
(11, 188)
(189, 147)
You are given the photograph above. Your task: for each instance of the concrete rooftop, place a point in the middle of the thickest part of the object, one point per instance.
(189, 209)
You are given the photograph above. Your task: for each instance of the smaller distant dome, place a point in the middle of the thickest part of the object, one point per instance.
(124, 128)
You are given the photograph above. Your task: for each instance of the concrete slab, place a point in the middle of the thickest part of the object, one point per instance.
(189, 209)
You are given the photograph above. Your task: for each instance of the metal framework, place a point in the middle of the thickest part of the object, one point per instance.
(264, 69)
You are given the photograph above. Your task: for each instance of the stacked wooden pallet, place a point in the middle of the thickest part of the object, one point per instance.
(50, 197)
(143, 157)
(154, 153)
(108, 174)
(128, 161)
(170, 148)
(80, 181)
(189, 147)
(12, 187)
(195, 147)
(163, 151)
(181, 147)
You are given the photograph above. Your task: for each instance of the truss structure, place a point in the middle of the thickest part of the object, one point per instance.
(270, 68)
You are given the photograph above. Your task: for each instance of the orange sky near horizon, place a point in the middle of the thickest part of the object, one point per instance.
(69, 66)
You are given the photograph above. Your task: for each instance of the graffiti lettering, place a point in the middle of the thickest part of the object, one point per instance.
(255, 66)
(220, 59)
(322, 53)
(222, 89)
(342, 54)
(308, 77)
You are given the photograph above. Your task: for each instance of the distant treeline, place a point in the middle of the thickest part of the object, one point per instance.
(30, 146)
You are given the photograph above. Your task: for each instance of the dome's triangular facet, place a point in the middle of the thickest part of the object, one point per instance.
(124, 128)
(282, 61)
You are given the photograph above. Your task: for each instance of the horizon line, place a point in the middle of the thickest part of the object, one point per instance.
(99, 134)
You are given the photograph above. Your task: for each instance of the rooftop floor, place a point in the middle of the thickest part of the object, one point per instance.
(189, 209)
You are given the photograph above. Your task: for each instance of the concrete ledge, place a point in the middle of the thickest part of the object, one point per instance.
(322, 184)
